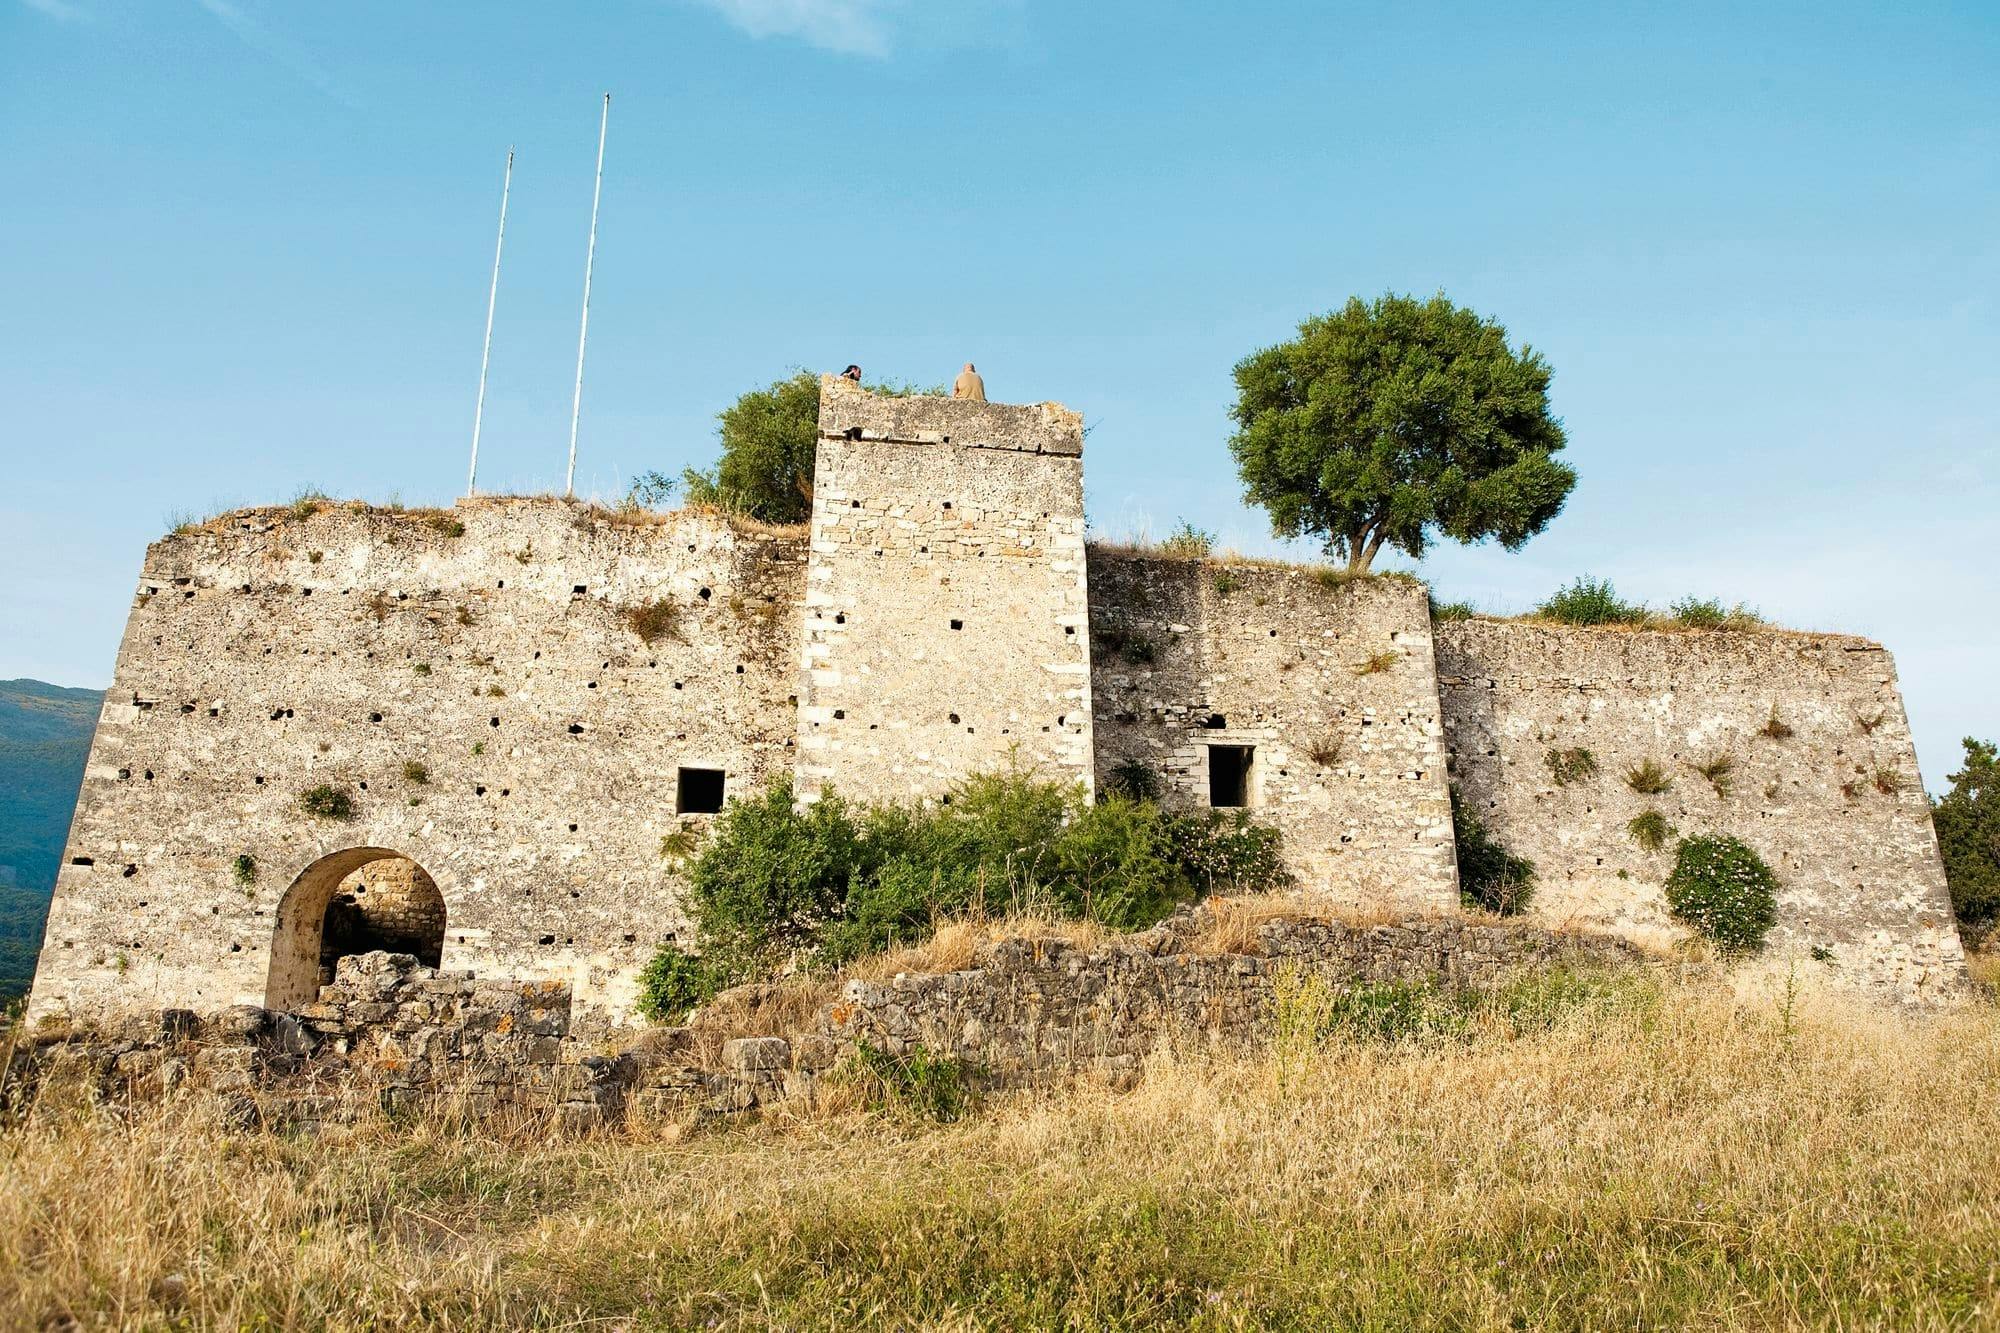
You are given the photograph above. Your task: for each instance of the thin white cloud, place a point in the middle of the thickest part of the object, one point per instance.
(262, 40)
(850, 27)
(870, 28)
(60, 10)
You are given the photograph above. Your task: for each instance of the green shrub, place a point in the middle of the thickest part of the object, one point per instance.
(675, 982)
(1724, 890)
(772, 876)
(1650, 830)
(1135, 779)
(1571, 765)
(1187, 542)
(1489, 876)
(1707, 613)
(835, 882)
(1226, 849)
(244, 869)
(327, 802)
(1226, 583)
(936, 1087)
(416, 772)
(1590, 601)
(1967, 819)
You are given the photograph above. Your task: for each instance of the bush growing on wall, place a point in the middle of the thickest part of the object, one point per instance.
(1724, 890)
(675, 982)
(1489, 876)
(832, 882)
(1590, 601)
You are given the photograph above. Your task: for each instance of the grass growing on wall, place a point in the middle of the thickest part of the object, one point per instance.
(1648, 1158)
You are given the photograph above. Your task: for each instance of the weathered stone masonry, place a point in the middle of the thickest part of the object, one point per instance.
(525, 697)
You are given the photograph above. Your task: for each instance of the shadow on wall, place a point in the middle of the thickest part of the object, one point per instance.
(350, 902)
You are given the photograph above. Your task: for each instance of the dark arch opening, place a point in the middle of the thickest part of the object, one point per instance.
(351, 902)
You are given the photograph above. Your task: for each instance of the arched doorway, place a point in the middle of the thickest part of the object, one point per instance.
(351, 902)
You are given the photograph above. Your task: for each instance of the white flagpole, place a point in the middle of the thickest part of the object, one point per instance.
(486, 349)
(589, 261)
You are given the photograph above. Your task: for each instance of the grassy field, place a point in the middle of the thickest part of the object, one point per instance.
(1644, 1154)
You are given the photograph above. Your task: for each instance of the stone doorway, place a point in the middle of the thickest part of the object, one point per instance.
(351, 902)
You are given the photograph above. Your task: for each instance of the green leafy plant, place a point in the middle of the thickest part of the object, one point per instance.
(422, 668)
(1571, 765)
(675, 982)
(1397, 421)
(1590, 601)
(1650, 830)
(1649, 779)
(1187, 542)
(327, 802)
(244, 869)
(415, 771)
(1135, 779)
(935, 1087)
(1226, 582)
(479, 747)
(1724, 890)
(444, 523)
(1490, 877)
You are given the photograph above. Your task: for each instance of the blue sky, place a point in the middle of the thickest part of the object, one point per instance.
(244, 246)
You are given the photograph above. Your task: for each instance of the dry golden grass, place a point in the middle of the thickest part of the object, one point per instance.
(951, 947)
(1645, 1159)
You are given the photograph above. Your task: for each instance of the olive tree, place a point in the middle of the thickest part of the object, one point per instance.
(1388, 423)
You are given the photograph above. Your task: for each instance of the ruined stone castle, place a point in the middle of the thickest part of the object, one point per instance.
(336, 729)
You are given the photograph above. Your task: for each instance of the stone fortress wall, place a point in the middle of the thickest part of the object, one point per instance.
(271, 652)
(525, 697)
(1822, 781)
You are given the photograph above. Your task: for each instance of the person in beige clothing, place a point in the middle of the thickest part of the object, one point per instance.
(969, 385)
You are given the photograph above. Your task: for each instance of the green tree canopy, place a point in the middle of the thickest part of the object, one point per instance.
(766, 468)
(1968, 830)
(1389, 422)
(769, 437)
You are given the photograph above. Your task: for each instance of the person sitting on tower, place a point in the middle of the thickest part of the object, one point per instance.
(969, 385)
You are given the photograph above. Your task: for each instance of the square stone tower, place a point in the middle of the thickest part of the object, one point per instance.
(946, 613)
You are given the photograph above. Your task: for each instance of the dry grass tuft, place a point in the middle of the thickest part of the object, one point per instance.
(954, 944)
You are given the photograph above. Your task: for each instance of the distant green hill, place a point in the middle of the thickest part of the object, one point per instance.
(45, 733)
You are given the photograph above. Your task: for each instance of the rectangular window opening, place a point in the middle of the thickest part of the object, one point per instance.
(699, 792)
(1229, 775)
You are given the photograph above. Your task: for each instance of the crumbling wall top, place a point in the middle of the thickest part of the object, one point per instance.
(846, 409)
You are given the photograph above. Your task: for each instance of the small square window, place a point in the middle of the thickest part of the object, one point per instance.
(1229, 775)
(699, 792)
